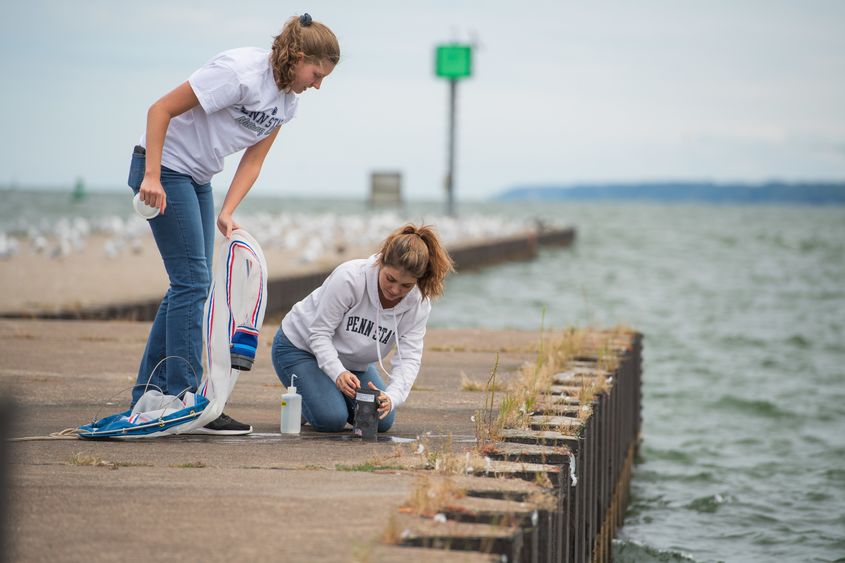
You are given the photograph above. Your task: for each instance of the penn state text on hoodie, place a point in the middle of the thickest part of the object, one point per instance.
(344, 325)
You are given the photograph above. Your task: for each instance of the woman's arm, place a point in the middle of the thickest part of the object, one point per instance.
(337, 296)
(176, 102)
(248, 170)
(405, 364)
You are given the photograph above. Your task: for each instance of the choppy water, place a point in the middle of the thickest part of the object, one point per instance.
(743, 311)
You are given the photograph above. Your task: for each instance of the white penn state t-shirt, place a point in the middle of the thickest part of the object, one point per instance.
(240, 104)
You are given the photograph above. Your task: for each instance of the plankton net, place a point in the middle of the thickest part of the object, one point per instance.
(232, 319)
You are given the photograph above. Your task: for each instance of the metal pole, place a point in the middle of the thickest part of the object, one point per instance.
(450, 172)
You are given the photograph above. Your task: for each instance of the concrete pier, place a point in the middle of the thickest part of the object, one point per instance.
(437, 487)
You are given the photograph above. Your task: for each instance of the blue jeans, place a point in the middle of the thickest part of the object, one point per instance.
(323, 405)
(184, 235)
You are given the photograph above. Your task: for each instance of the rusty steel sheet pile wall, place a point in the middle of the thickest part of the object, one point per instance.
(572, 455)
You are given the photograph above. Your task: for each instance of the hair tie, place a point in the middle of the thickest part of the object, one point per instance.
(305, 20)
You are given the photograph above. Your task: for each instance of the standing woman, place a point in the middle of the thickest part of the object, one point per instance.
(331, 339)
(237, 100)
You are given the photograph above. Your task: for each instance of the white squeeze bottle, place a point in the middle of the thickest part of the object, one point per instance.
(291, 413)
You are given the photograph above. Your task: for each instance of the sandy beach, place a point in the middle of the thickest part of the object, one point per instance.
(108, 270)
(36, 282)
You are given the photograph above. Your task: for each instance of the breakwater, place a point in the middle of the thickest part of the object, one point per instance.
(550, 478)
(284, 292)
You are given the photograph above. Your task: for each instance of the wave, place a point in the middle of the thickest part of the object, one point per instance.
(758, 407)
(628, 551)
(653, 476)
(709, 504)
(735, 341)
(798, 341)
(837, 475)
(651, 454)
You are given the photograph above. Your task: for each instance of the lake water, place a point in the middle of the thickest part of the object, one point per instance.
(743, 312)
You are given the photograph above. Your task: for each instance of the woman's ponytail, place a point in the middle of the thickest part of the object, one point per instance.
(418, 251)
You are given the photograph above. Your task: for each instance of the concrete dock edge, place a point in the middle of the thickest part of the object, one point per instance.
(581, 466)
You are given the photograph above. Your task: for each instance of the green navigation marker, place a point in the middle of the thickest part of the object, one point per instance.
(78, 193)
(454, 61)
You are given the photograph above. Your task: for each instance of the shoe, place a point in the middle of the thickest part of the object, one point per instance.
(224, 425)
(244, 346)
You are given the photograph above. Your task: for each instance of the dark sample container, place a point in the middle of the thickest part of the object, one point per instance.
(366, 414)
(243, 347)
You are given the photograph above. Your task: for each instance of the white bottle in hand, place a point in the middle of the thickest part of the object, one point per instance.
(291, 412)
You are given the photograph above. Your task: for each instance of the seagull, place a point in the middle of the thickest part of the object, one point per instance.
(8, 247)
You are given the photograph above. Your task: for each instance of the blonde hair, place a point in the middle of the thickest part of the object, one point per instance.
(418, 251)
(313, 40)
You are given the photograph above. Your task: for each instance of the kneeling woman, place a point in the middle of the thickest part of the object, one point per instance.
(332, 339)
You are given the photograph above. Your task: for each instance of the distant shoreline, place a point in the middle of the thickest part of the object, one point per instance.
(811, 193)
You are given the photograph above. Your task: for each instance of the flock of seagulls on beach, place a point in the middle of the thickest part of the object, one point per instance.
(310, 236)
(68, 236)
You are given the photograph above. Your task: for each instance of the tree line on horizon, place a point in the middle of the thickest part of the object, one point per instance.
(818, 193)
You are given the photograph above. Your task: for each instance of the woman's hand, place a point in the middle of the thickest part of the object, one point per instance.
(226, 224)
(152, 193)
(176, 102)
(348, 383)
(385, 405)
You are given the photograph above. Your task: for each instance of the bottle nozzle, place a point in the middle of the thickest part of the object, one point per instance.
(292, 388)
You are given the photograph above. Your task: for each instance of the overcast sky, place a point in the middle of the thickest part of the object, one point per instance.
(562, 92)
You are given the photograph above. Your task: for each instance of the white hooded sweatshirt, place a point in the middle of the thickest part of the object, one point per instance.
(339, 323)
